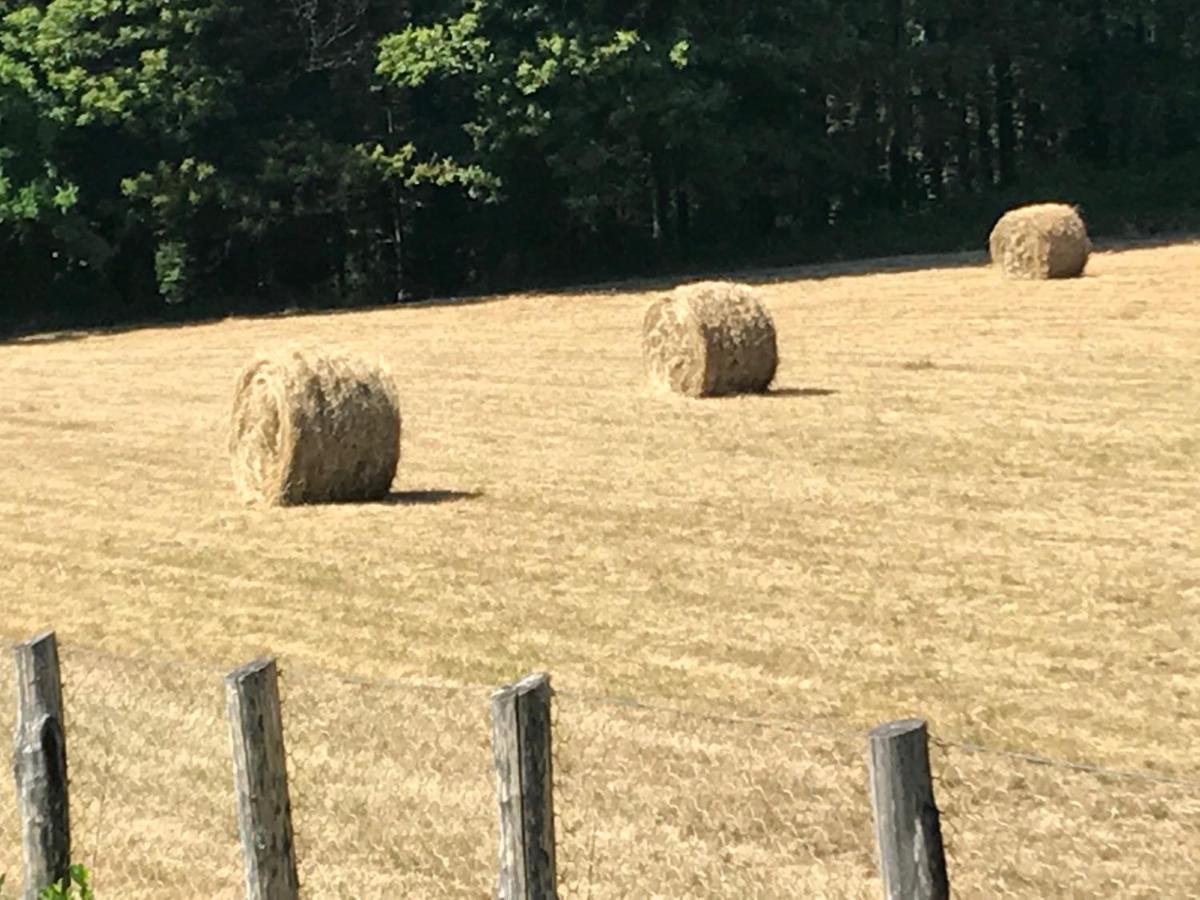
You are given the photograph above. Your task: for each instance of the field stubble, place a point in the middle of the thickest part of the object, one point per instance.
(969, 499)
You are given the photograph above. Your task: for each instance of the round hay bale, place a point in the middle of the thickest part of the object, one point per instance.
(314, 428)
(708, 339)
(1045, 240)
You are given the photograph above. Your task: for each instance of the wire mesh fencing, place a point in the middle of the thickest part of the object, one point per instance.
(148, 762)
(392, 793)
(391, 787)
(1016, 827)
(10, 823)
(659, 803)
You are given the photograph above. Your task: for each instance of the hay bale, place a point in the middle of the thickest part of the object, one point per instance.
(314, 428)
(708, 339)
(1045, 240)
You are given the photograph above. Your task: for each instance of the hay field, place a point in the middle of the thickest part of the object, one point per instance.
(969, 499)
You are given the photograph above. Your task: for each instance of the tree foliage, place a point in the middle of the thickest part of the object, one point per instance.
(218, 155)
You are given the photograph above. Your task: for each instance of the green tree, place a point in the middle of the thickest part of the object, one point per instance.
(230, 154)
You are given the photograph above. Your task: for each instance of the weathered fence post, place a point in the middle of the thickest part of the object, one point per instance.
(40, 765)
(524, 789)
(260, 781)
(911, 859)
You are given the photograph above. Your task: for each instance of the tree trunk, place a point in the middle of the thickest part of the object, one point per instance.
(397, 229)
(1006, 134)
(966, 161)
(983, 137)
(683, 221)
(1096, 135)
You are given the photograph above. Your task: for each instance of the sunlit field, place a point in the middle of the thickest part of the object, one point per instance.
(969, 499)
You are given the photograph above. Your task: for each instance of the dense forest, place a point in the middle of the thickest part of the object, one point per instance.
(185, 158)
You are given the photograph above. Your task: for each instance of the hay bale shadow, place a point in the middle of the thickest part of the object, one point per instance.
(800, 392)
(428, 498)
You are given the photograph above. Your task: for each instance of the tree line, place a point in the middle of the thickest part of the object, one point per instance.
(196, 157)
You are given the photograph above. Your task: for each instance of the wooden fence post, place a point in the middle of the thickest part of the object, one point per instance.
(260, 781)
(40, 765)
(524, 789)
(911, 859)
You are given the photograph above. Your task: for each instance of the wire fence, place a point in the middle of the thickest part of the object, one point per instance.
(659, 803)
(1015, 827)
(392, 794)
(148, 761)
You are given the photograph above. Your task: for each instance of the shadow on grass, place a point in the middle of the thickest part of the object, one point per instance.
(800, 392)
(34, 335)
(51, 337)
(428, 498)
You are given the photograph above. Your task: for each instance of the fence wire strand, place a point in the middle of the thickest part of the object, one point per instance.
(656, 803)
(150, 781)
(392, 795)
(391, 788)
(1014, 827)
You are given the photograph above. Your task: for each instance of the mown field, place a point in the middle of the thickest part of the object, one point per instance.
(969, 499)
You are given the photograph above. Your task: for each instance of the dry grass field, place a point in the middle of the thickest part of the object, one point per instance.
(969, 499)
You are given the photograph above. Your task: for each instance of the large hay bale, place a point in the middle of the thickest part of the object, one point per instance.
(314, 428)
(708, 339)
(1045, 240)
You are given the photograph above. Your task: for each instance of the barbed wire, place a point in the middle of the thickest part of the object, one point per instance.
(1090, 768)
(175, 665)
(425, 684)
(797, 726)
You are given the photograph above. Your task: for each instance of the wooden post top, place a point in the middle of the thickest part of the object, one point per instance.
(526, 685)
(48, 634)
(250, 669)
(898, 728)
